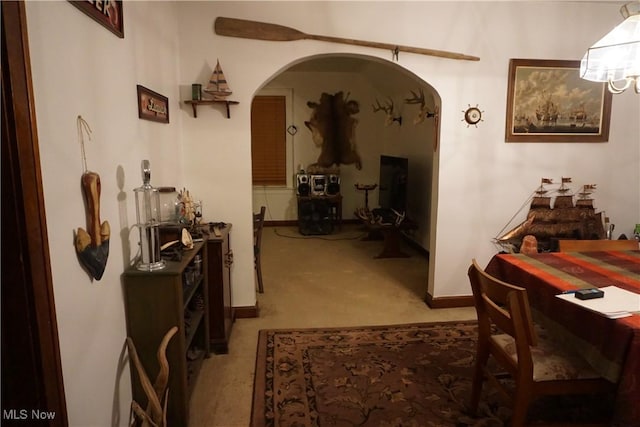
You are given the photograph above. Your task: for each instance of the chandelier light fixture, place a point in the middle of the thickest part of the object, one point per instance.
(615, 58)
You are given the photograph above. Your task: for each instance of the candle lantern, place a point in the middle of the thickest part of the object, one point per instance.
(196, 92)
(148, 216)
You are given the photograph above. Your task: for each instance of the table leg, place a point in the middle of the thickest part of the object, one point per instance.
(391, 248)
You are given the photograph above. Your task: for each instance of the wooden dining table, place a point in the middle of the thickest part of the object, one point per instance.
(612, 346)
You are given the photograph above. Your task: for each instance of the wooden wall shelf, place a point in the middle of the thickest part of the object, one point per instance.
(195, 103)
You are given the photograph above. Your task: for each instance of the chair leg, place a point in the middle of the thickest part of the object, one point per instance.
(482, 358)
(259, 274)
(520, 406)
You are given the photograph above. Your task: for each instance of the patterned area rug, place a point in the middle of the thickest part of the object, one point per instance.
(396, 376)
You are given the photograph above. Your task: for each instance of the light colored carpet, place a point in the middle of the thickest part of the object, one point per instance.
(315, 281)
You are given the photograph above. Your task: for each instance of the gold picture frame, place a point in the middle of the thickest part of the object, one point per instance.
(547, 101)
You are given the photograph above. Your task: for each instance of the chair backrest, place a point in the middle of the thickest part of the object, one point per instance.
(258, 224)
(505, 307)
(597, 245)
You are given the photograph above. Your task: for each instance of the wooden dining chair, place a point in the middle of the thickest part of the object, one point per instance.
(258, 225)
(533, 361)
(597, 245)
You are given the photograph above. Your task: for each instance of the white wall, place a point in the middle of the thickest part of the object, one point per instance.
(81, 68)
(482, 180)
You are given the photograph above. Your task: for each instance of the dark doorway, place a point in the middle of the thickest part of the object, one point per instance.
(32, 383)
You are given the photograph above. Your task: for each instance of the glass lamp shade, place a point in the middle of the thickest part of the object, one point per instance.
(615, 58)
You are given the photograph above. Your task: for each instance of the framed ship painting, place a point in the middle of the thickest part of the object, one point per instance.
(547, 101)
(152, 106)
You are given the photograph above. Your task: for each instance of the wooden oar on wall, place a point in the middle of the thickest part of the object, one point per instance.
(263, 31)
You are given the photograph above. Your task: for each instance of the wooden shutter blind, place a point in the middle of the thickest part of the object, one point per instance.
(268, 140)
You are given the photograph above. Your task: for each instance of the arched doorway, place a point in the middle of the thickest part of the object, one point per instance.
(372, 82)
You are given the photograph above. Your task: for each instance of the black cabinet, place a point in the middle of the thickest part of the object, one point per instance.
(315, 215)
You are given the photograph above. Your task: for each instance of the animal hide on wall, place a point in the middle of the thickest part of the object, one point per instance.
(333, 130)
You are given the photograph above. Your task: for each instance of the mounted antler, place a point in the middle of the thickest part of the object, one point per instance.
(424, 111)
(388, 109)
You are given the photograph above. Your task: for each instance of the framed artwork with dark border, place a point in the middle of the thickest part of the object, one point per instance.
(152, 106)
(547, 101)
(107, 13)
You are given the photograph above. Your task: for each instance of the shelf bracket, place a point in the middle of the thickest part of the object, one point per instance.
(194, 105)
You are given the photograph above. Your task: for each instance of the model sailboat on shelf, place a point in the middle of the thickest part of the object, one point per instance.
(217, 85)
(564, 220)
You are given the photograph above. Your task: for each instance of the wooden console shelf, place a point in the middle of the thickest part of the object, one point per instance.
(195, 103)
(155, 301)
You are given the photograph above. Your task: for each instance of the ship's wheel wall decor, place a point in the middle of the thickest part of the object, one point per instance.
(472, 115)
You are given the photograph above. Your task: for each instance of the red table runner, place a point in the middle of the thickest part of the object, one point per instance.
(611, 345)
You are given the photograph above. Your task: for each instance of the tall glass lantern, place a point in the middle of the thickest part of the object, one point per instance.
(148, 216)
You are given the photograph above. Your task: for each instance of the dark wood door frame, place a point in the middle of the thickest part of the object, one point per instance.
(31, 367)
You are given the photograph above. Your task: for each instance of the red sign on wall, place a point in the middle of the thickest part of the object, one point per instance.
(106, 12)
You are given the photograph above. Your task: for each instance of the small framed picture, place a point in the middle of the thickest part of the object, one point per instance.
(547, 101)
(152, 106)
